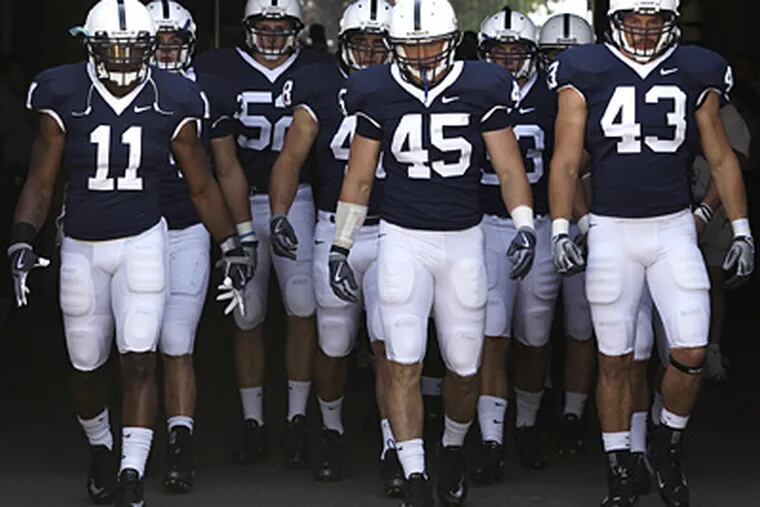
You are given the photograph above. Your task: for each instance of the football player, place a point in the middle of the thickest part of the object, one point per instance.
(319, 124)
(509, 38)
(559, 33)
(433, 120)
(111, 124)
(258, 73)
(189, 261)
(644, 105)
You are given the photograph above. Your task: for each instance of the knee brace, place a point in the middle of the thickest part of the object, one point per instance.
(688, 370)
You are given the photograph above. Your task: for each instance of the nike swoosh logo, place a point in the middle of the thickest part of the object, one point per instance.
(449, 100)
(20, 262)
(143, 109)
(460, 490)
(667, 72)
(317, 242)
(527, 110)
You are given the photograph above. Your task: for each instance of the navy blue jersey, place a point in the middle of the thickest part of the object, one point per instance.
(641, 131)
(534, 129)
(116, 149)
(176, 205)
(262, 117)
(321, 97)
(432, 143)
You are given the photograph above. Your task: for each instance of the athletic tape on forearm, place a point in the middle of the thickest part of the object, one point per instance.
(704, 212)
(522, 216)
(349, 218)
(741, 227)
(245, 230)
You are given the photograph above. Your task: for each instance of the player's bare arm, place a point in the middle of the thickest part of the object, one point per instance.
(508, 165)
(285, 173)
(231, 178)
(357, 185)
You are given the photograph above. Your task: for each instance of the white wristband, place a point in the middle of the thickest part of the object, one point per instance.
(560, 226)
(583, 224)
(522, 216)
(349, 218)
(741, 227)
(244, 228)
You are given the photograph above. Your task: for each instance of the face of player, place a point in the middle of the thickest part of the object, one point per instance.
(643, 31)
(168, 48)
(368, 49)
(122, 57)
(271, 37)
(511, 55)
(424, 59)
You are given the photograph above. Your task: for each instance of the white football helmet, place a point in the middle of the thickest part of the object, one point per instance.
(272, 44)
(364, 17)
(510, 27)
(171, 17)
(561, 32)
(418, 23)
(120, 38)
(654, 41)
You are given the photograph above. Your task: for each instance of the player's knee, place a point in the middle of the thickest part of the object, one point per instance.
(177, 339)
(690, 361)
(142, 325)
(614, 368)
(86, 352)
(462, 354)
(335, 337)
(255, 309)
(299, 296)
(138, 368)
(535, 328)
(405, 339)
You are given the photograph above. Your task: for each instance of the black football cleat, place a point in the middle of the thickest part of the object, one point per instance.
(131, 491)
(489, 467)
(295, 442)
(621, 491)
(529, 448)
(101, 477)
(180, 471)
(571, 436)
(671, 480)
(255, 443)
(641, 475)
(452, 477)
(418, 492)
(328, 460)
(392, 474)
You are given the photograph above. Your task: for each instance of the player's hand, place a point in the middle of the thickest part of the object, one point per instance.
(342, 279)
(568, 255)
(521, 253)
(250, 244)
(23, 261)
(740, 261)
(236, 273)
(283, 237)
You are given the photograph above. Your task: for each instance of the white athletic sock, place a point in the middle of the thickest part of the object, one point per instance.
(639, 432)
(454, 432)
(180, 420)
(432, 386)
(411, 454)
(135, 447)
(575, 403)
(673, 421)
(298, 397)
(253, 403)
(618, 441)
(491, 412)
(332, 414)
(389, 442)
(527, 407)
(98, 430)
(656, 409)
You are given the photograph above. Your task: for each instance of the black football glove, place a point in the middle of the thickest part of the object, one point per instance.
(235, 265)
(283, 237)
(740, 261)
(521, 252)
(342, 279)
(23, 261)
(568, 255)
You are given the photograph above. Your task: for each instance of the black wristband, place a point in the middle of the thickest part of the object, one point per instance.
(23, 232)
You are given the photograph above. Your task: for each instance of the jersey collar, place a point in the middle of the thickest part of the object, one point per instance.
(642, 69)
(434, 92)
(118, 104)
(270, 74)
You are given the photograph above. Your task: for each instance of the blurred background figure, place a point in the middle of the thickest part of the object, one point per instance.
(316, 38)
(468, 50)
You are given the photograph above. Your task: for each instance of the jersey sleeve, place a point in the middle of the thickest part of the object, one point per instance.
(300, 91)
(717, 77)
(222, 102)
(356, 100)
(564, 73)
(191, 105)
(502, 97)
(45, 96)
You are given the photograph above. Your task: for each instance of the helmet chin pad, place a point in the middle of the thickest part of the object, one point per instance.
(425, 71)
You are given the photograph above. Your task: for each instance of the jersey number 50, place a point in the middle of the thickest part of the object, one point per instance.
(407, 145)
(622, 105)
(269, 134)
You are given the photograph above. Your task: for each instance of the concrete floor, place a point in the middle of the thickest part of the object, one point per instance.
(44, 458)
